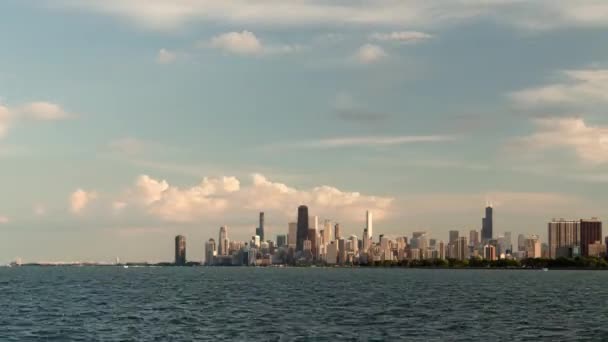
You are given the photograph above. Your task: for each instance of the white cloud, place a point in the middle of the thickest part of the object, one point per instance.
(247, 43)
(241, 43)
(80, 199)
(589, 143)
(165, 56)
(4, 219)
(402, 36)
(44, 111)
(371, 141)
(215, 196)
(370, 53)
(580, 87)
(532, 15)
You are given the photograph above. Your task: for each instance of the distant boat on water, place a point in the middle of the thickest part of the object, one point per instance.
(545, 269)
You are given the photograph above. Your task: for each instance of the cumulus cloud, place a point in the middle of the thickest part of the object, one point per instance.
(579, 87)
(370, 53)
(44, 111)
(589, 143)
(165, 56)
(402, 36)
(4, 219)
(216, 196)
(242, 43)
(246, 43)
(80, 199)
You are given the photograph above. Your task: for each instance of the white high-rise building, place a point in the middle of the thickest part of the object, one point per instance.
(224, 241)
(292, 234)
(210, 252)
(369, 224)
(313, 223)
(332, 253)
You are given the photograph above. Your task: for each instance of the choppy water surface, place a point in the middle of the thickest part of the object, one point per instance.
(306, 304)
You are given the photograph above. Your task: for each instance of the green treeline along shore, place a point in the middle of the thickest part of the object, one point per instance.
(559, 263)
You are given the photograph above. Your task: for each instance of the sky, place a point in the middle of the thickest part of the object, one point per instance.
(126, 122)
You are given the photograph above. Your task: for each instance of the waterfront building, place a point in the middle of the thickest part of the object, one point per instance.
(489, 252)
(532, 247)
(337, 233)
(441, 250)
(591, 231)
(462, 248)
(292, 234)
(327, 228)
(454, 234)
(473, 238)
(521, 242)
(180, 250)
(369, 225)
(281, 241)
(507, 243)
(260, 230)
(302, 228)
(332, 253)
(224, 241)
(563, 234)
(341, 251)
(597, 249)
(210, 252)
(487, 225)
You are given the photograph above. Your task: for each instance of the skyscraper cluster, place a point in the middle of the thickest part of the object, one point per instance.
(308, 243)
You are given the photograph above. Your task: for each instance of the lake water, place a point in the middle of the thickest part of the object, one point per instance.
(302, 304)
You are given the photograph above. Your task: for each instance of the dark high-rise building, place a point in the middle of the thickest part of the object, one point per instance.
(260, 230)
(302, 231)
(591, 231)
(454, 235)
(486, 225)
(281, 240)
(180, 250)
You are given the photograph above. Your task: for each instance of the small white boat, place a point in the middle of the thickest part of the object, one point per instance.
(125, 266)
(545, 269)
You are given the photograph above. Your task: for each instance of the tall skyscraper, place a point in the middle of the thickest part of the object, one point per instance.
(521, 242)
(473, 238)
(302, 233)
(487, 225)
(210, 252)
(337, 233)
(180, 250)
(591, 231)
(369, 225)
(508, 242)
(260, 230)
(563, 233)
(454, 235)
(223, 240)
(327, 230)
(292, 235)
(462, 248)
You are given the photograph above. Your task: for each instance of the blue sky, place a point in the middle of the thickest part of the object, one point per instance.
(113, 112)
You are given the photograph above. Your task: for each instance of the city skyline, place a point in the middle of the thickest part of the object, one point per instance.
(126, 123)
